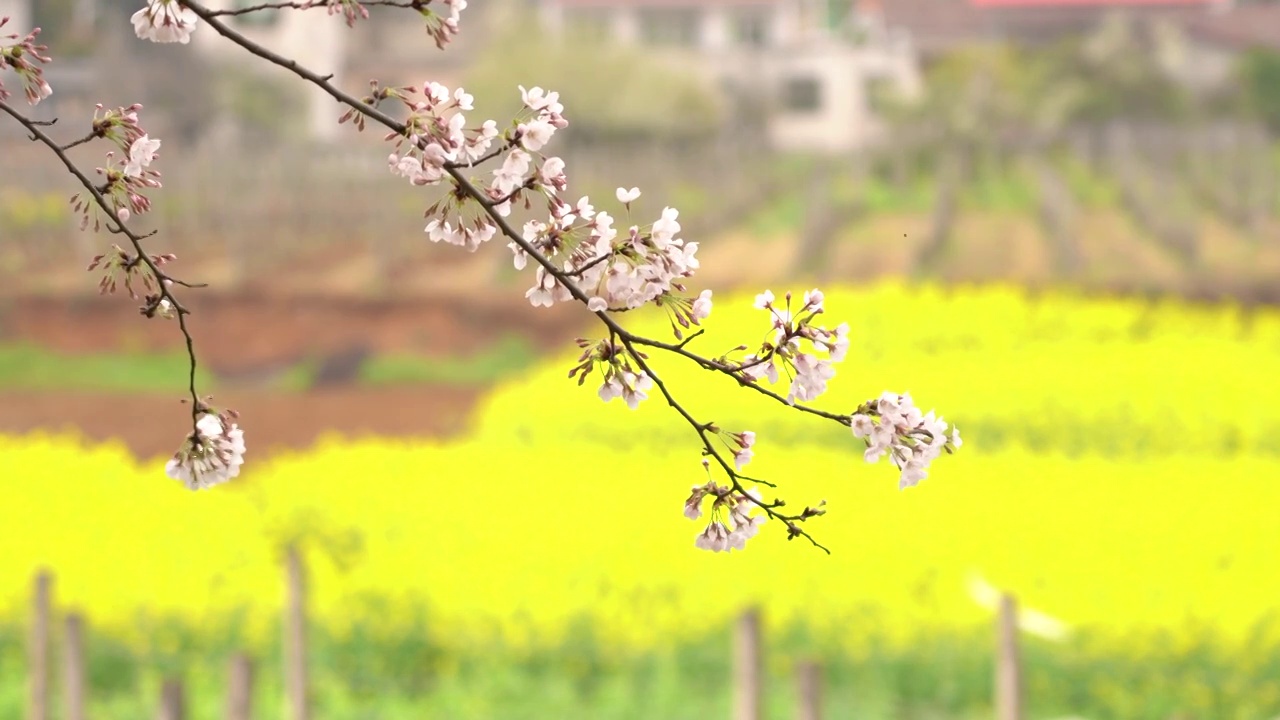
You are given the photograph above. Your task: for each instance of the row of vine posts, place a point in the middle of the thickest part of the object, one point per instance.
(1167, 180)
(748, 664)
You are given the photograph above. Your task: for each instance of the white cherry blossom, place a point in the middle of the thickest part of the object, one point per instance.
(212, 454)
(141, 153)
(164, 21)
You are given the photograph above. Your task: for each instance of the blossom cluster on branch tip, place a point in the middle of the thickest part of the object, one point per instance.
(351, 10)
(170, 21)
(118, 262)
(435, 138)
(616, 271)
(619, 378)
(165, 21)
(125, 181)
(893, 425)
(18, 56)
(212, 453)
(792, 347)
(718, 535)
(443, 28)
(740, 443)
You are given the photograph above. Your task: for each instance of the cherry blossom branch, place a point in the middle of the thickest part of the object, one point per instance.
(604, 269)
(76, 143)
(213, 451)
(628, 338)
(164, 296)
(789, 333)
(770, 509)
(453, 169)
(734, 372)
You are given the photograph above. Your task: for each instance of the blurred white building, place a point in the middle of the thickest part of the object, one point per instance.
(315, 39)
(816, 65)
(19, 14)
(19, 17)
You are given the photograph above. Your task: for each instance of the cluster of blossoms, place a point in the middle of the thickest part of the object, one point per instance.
(165, 21)
(619, 378)
(436, 140)
(169, 21)
(126, 181)
(118, 262)
(741, 443)
(443, 28)
(784, 347)
(718, 536)
(617, 271)
(212, 453)
(18, 55)
(894, 425)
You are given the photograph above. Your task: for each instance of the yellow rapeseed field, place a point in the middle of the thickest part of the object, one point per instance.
(1118, 474)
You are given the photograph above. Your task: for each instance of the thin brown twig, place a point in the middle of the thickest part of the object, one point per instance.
(710, 449)
(81, 141)
(181, 311)
(716, 366)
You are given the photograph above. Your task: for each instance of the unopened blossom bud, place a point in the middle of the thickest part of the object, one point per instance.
(702, 306)
(693, 505)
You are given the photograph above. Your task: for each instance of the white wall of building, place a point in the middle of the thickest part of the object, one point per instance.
(19, 14)
(796, 47)
(313, 38)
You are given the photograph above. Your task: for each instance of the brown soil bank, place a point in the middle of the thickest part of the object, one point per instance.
(244, 333)
(240, 332)
(153, 426)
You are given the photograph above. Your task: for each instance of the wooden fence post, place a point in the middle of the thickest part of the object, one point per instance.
(75, 667)
(748, 668)
(1008, 667)
(240, 688)
(172, 702)
(809, 691)
(38, 652)
(295, 639)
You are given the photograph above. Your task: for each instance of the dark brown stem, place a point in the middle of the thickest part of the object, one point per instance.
(135, 239)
